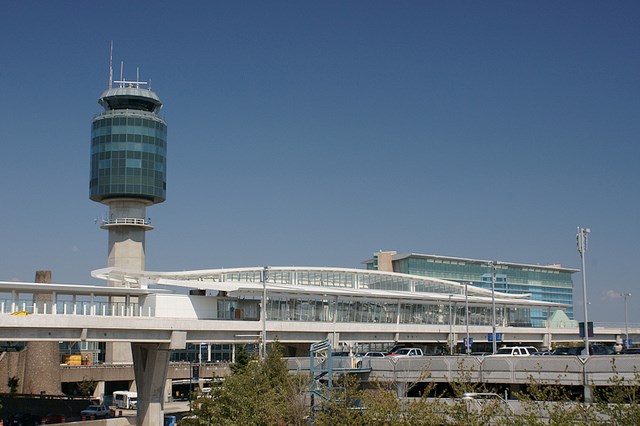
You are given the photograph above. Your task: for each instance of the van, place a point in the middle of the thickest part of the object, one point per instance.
(125, 399)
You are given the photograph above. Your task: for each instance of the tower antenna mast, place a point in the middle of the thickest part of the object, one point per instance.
(111, 66)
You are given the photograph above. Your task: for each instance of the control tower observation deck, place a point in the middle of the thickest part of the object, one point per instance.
(128, 167)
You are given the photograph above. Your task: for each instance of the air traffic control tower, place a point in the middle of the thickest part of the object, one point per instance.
(128, 167)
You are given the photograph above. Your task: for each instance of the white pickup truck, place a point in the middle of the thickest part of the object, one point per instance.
(515, 351)
(406, 352)
(97, 411)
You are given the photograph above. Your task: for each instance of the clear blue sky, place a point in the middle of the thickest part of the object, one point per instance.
(315, 133)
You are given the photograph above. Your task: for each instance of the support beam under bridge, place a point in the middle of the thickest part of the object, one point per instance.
(150, 366)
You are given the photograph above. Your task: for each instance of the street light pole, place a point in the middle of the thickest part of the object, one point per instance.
(264, 276)
(626, 319)
(466, 314)
(450, 328)
(493, 307)
(582, 249)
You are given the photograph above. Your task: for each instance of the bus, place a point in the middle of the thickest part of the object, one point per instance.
(125, 399)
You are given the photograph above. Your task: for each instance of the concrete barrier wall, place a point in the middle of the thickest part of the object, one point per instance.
(599, 370)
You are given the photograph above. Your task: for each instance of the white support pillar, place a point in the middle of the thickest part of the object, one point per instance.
(150, 366)
(401, 390)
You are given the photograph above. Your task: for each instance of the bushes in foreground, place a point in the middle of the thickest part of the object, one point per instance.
(264, 393)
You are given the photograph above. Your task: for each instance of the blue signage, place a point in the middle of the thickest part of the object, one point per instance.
(498, 337)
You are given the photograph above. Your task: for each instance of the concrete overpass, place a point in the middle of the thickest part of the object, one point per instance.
(155, 321)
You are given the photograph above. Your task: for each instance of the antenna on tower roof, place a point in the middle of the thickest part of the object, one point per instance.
(137, 76)
(121, 71)
(111, 66)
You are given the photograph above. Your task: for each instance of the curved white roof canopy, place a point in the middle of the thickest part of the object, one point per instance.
(316, 282)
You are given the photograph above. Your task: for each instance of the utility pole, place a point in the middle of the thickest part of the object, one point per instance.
(582, 249)
(626, 319)
(493, 306)
(450, 328)
(263, 345)
(466, 314)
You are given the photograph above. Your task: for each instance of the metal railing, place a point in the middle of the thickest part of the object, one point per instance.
(126, 221)
(87, 308)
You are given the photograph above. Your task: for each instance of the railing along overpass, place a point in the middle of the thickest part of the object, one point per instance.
(115, 372)
(150, 329)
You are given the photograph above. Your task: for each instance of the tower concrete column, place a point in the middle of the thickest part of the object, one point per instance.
(127, 225)
(150, 366)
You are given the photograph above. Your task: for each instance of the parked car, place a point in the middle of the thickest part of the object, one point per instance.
(23, 419)
(630, 351)
(360, 357)
(406, 352)
(374, 355)
(601, 350)
(579, 350)
(96, 410)
(568, 350)
(53, 418)
(513, 351)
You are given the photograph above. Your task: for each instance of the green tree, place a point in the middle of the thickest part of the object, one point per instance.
(345, 404)
(620, 401)
(87, 386)
(242, 359)
(374, 403)
(552, 404)
(13, 385)
(260, 393)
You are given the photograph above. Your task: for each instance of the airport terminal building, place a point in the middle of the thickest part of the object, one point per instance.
(550, 283)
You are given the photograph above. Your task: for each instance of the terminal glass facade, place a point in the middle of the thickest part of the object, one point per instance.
(544, 283)
(369, 311)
